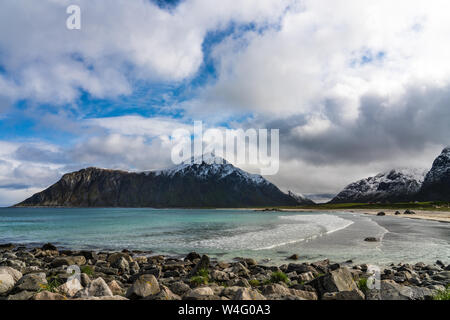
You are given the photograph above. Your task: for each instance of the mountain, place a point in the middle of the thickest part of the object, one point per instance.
(436, 186)
(393, 186)
(207, 182)
(301, 199)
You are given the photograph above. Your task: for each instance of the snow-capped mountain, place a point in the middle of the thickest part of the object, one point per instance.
(301, 199)
(209, 182)
(208, 165)
(436, 186)
(393, 186)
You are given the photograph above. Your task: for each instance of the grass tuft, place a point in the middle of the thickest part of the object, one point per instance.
(87, 270)
(279, 276)
(362, 285)
(443, 295)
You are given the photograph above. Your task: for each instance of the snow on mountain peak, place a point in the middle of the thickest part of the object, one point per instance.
(396, 183)
(208, 165)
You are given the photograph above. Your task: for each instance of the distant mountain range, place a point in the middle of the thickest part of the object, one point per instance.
(402, 185)
(210, 182)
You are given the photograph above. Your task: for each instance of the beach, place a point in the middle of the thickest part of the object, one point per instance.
(51, 273)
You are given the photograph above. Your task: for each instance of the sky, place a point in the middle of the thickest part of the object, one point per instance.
(356, 87)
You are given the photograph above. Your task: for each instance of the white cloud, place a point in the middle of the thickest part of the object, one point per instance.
(333, 50)
(119, 42)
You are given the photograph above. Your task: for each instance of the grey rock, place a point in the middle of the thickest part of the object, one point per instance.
(164, 294)
(12, 272)
(31, 282)
(201, 293)
(46, 295)
(6, 283)
(179, 288)
(248, 294)
(146, 285)
(202, 264)
(336, 281)
(22, 295)
(96, 288)
(343, 295)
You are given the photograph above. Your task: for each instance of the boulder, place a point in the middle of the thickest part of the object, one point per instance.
(164, 294)
(300, 268)
(240, 270)
(122, 264)
(179, 288)
(344, 295)
(390, 290)
(192, 256)
(85, 280)
(201, 293)
(46, 295)
(409, 212)
(116, 288)
(443, 276)
(293, 257)
(12, 272)
(275, 289)
(250, 262)
(141, 259)
(339, 280)
(31, 282)
(68, 261)
(96, 288)
(381, 214)
(114, 298)
(219, 275)
(371, 239)
(6, 283)
(306, 295)
(202, 264)
(49, 246)
(248, 294)
(6, 246)
(22, 295)
(112, 259)
(69, 288)
(146, 285)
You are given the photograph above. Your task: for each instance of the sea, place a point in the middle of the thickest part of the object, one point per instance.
(268, 237)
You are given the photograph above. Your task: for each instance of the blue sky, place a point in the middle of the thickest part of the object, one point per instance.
(355, 89)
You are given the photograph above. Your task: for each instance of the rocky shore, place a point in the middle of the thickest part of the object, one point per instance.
(47, 273)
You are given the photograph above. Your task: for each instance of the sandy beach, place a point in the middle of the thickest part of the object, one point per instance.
(441, 216)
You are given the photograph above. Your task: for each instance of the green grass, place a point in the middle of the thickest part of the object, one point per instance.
(362, 285)
(203, 273)
(254, 283)
(279, 276)
(424, 206)
(51, 285)
(199, 280)
(443, 295)
(87, 270)
(201, 277)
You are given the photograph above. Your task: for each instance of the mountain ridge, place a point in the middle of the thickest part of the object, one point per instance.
(204, 184)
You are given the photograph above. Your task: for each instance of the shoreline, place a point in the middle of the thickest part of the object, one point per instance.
(40, 273)
(440, 216)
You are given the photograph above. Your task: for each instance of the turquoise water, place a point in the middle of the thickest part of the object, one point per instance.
(227, 234)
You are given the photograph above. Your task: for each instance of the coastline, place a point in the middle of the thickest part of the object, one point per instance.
(440, 216)
(43, 273)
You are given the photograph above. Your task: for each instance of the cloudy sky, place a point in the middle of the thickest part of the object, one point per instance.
(356, 87)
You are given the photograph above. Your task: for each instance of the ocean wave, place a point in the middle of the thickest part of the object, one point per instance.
(291, 229)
